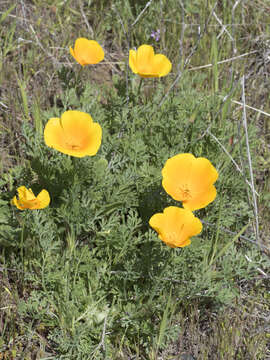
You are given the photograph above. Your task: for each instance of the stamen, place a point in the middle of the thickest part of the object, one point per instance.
(184, 192)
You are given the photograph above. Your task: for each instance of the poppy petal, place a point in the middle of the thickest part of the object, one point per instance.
(74, 134)
(44, 199)
(132, 61)
(183, 223)
(54, 135)
(92, 146)
(27, 200)
(178, 167)
(145, 58)
(24, 193)
(82, 131)
(175, 226)
(161, 65)
(176, 175)
(201, 200)
(145, 63)
(88, 51)
(203, 175)
(190, 180)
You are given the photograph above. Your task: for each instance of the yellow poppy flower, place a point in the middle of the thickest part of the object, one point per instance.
(87, 52)
(175, 226)
(74, 134)
(190, 180)
(145, 63)
(27, 199)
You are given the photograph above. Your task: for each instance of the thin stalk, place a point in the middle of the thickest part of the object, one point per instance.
(139, 87)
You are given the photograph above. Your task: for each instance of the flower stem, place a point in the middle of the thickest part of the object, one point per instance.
(22, 252)
(139, 87)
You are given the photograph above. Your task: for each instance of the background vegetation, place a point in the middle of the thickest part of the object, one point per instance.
(87, 278)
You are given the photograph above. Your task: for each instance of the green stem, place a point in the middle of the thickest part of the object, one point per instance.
(78, 79)
(22, 252)
(139, 87)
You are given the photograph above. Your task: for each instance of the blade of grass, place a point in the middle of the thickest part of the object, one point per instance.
(214, 246)
(214, 52)
(225, 248)
(22, 87)
(6, 13)
(164, 323)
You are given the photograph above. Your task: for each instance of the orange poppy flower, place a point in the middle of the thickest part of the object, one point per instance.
(27, 199)
(87, 52)
(175, 226)
(74, 134)
(145, 63)
(190, 180)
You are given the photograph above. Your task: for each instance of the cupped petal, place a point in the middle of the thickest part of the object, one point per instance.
(25, 194)
(181, 224)
(133, 61)
(178, 167)
(190, 179)
(157, 222)
(43, 199)
(145, 63)
(92, 144)
(201, 200)
(80, 131)
(203, 175)
(175, 226)
(145, 60)
(27, 200)
(74, 134)
(54, 136)
(161, 65)
(88, 52)
(173, 189)
(176, 174)
(76, 122)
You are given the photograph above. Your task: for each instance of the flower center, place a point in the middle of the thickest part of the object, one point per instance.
(72, 144)
(171, 237)
(184, 192)
(29, 204)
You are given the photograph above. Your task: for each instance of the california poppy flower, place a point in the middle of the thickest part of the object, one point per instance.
(190, 180)
(175, 226)
(146, 63)
(87, 52)
(27, 199)
(74, 134)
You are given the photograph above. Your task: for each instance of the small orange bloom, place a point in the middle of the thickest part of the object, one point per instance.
(27, 200)
(145, 63)
(87, 52)
(175, 226)
(74, 134)
(190, 180)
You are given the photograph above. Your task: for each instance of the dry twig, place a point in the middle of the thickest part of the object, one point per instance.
(244, 117)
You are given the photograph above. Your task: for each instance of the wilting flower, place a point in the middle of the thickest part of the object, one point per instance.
(175, 226)
(74, 134)
(87, 52)
(27, 199)
(190, 180)
(145, 63)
